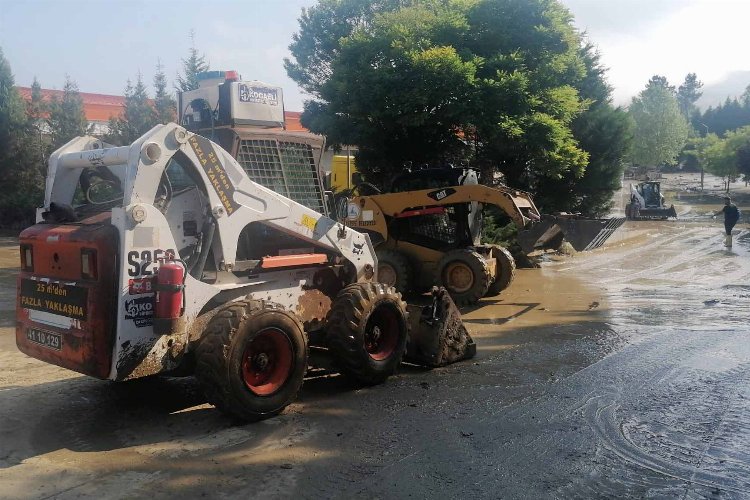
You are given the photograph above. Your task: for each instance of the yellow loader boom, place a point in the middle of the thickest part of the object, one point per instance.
(368, 213)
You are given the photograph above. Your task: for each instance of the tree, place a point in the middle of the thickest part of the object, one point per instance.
(138, 117)
(164, 104)
(605, 133)
(20, 174)
(66, 116)
(492, 82)
(688, 93)
(661, 130)
(191, 67)
(736, 154)
(36, 110)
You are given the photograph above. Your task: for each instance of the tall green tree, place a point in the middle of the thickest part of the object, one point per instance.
(605, 132)
(688, 93)
(20, 174)
(661, 131)
(138, 117)
(66, 116)
(164, 104)
(36, 110)
(191, 67)
(495, 82)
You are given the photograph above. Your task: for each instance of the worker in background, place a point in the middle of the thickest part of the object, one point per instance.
(731, 216)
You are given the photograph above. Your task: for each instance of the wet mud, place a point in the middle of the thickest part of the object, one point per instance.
(618, 373)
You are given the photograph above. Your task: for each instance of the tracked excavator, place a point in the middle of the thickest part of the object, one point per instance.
(427, 230)
(164, 257)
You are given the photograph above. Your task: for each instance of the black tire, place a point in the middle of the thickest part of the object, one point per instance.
(252, 359)
(397, 271)
(465, 275)
(366, 331)
(505, 270)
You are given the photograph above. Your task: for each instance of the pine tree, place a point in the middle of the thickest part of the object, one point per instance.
(20, 174)
(164, 103)
(36, 110)
(688, 93)
(138, 116)
(66, 116)
(191, 67)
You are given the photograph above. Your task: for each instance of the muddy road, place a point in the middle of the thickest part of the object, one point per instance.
(620, 372)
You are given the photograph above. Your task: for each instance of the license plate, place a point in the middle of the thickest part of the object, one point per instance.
(44, 338)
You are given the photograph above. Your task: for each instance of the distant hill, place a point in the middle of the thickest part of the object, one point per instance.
(732, 86)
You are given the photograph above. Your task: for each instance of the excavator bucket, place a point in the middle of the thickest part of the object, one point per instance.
(438, 336)
(581, 232)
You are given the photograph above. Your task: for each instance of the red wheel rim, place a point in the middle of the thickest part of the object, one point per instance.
(382, 333)
(267, 361)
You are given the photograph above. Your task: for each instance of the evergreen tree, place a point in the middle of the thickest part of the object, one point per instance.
(20, 174)
(688, 93)
(191, 67)
(164, 104)
(138, 117)
(66, 116)
(36, 110)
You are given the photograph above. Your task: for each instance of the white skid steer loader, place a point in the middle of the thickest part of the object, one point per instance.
(164, 257)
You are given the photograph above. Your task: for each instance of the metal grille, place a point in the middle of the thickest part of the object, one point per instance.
(437, 227)
(287, 168)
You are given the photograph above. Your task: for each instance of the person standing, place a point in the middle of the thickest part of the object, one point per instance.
(731, 216)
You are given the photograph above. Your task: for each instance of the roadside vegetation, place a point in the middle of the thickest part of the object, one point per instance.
(509, 87)
(31, 130)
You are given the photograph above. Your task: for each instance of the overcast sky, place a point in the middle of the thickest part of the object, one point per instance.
(101, 44)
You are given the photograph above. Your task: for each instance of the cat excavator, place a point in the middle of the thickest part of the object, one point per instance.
(427, 231)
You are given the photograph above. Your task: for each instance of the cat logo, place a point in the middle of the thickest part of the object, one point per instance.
(441, 194)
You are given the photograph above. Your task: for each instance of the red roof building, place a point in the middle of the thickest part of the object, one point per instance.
(99, 108)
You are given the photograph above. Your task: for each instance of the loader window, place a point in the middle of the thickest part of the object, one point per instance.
(437, 231)
(98, 190)
(288, 168)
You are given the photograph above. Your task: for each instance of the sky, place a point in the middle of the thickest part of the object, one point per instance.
(101, 44)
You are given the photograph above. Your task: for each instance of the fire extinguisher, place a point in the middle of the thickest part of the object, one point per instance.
(170, 290)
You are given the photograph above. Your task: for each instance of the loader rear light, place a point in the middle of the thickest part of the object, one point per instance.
(88, 264)
(27, 258)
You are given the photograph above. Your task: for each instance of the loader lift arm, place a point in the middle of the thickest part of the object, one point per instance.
(369, 213)
(233, 199)
(535, 230)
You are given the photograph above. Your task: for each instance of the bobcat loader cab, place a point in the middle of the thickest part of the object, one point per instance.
(247, 119)
(164, 255)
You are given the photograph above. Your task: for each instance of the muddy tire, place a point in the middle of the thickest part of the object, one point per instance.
(394, 270)
(465, 275)
(505, 270)
(366, 331)
(252, 359)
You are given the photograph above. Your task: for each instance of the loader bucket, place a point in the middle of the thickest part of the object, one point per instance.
(438, 336)
(581, 232)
